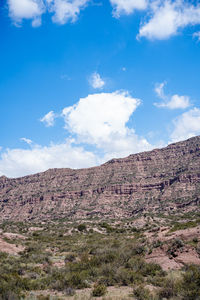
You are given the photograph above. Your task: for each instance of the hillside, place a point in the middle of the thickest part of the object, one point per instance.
(162, 181)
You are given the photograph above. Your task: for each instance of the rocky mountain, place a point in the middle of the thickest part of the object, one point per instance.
(163, 180)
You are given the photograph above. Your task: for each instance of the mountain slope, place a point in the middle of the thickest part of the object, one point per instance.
(161, 180)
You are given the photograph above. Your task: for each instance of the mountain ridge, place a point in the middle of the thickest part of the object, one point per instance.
(161, 180)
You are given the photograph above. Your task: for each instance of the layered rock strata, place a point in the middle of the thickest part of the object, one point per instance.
(162, 180)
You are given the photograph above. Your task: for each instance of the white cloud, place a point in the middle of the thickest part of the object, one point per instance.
(20, 162)
(167, 17)
(100, 120)
(63, 10)
(159, 89)
(66, 10)
(97, 122)
(98, 116)
(27, 141)
(171, 102)
(96, 81)
(26, 9)
(49, 119)
(197, 35)
(176, 102)
(36, 22)
(187, 125)
(127, 6)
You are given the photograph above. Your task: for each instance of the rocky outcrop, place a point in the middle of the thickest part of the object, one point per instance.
(162, 180)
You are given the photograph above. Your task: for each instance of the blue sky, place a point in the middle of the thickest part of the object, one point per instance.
(83, 81)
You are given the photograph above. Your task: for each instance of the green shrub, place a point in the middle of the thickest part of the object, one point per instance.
(151, 269)
(138, 249)
(185, 225)
(126, 277)
(77, 280)
(81, 227)
(170, 289)
(99, 290)
(195, 240)
(107, 226)
(9, 295)
(141, 293)
(191, 283)
(177, 244)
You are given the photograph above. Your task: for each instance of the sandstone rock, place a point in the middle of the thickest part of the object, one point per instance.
(162, 180)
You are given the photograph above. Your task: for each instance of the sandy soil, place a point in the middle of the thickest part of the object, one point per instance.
(10, 248)
(113, 293)
(188, 254)
(13, 236)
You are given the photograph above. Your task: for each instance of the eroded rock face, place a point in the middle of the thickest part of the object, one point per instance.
(161, 180)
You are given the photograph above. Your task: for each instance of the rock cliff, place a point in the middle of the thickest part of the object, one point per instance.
(163, 180)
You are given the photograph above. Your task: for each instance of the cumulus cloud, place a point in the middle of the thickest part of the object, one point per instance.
(26, 9)
(101, 120)
(27, 141)
(127, 6)
(66, 10)
(49, 119)
(96, 81)
(62, 11)
(176, 102)
(98, 116)
(20, 162)
(171, 102)
(167, 17)
(186, 126)
(98, 123)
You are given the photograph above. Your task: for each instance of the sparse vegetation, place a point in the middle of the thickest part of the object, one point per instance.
(185, 225)
(141, 293)
(64, 257)
(99, 290)
(82, 227)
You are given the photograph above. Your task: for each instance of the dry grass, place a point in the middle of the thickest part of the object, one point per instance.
(113, 293)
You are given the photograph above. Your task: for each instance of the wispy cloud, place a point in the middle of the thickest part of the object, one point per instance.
(196, 35)
(127, 6)
(171, 102)
(96, 81)
(27, 141)
(49, 119)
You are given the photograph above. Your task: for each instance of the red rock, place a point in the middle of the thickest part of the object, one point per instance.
(161, 180)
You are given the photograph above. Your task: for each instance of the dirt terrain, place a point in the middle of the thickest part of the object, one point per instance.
(127, 229)
(9, 248)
